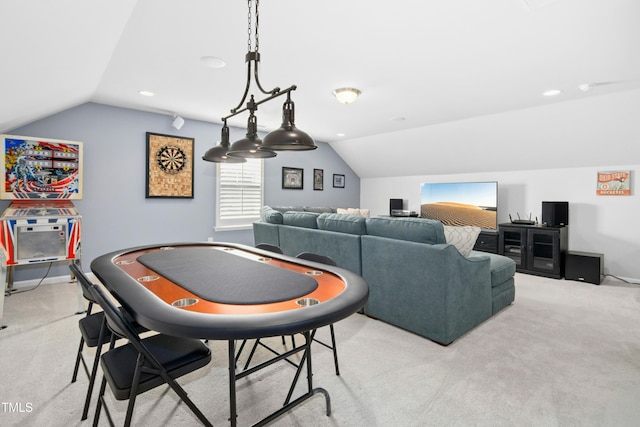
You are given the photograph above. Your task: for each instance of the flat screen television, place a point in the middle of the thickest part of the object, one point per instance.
(461, 203)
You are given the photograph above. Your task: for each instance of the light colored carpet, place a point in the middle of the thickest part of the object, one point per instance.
(564, 354)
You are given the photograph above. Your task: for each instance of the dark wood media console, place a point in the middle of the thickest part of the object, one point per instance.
(535, 249)
(487, 242)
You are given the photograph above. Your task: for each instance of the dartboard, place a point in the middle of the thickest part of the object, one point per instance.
(171, 159)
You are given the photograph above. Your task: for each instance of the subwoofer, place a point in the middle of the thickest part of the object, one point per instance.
(584, 267)
(555, 214)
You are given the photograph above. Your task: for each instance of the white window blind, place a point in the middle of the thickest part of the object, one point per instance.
(239, 193)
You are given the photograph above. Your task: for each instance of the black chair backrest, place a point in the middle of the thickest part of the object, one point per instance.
(269, 247)
(119, 325)
(85, 283)
(115, 319)
(322, 259)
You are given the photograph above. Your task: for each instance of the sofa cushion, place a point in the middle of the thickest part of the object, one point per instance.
(319, 209)
(502, 268)
(270, 215)
(300, 219)
(284, 209)
(419, 230)
(350, 224)
(463, 238)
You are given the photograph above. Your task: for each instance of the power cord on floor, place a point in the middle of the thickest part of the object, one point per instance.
(8, 293)
(621, 279)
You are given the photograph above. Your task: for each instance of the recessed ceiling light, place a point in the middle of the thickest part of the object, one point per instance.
(586, 87)
(212, 61)
(340, 134)
(552, 92)
(145, 93)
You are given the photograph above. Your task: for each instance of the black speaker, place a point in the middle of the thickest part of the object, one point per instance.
(555, 214)
(584, 267)
(395, 205)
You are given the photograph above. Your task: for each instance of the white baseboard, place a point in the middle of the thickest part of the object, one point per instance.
(47, 281)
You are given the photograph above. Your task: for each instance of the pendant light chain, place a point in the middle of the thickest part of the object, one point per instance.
(257, 25)
(251, 37)
(249, 21)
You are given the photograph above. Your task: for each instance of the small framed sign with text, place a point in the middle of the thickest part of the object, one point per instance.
(614, 183)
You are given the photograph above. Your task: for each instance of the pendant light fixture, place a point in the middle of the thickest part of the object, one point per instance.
(287, 137)
(250, 147)
(218, 154)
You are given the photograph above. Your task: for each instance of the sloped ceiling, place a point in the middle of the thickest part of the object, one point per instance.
(422, 66)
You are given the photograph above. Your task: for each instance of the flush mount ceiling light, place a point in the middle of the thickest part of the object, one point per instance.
(145, 93)
(218, 154)
(346, 95)
(287, 137)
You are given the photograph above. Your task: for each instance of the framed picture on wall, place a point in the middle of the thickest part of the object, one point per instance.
(292, 178)
(338, 181)
(40, 168)
(169, 166)
(318, 179)
(614, 183)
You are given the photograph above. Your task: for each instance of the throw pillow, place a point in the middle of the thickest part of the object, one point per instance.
(361, 212)
(354, 211)
(463, 238)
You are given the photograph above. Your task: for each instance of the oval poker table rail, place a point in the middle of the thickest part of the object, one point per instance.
(156, 314)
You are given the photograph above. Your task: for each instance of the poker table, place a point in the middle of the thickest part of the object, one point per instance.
(224, 291)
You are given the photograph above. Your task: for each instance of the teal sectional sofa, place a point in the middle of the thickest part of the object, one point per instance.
(416, 280)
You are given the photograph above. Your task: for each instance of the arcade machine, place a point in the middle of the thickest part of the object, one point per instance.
(41, 177)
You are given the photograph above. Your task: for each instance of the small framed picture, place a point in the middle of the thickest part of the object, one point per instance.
(318, 179)
(292, 178)
(338, 181)
(614, 183)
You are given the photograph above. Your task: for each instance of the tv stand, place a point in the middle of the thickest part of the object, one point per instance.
(535, 249)
(487, 241)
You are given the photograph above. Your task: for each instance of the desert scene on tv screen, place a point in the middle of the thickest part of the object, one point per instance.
(460, 214)
(461, 203)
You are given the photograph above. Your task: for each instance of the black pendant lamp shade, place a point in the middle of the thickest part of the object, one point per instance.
(249, 146)
(218, 154)
(288, 136)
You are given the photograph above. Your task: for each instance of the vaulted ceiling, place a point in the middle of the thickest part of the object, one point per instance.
(419, 64)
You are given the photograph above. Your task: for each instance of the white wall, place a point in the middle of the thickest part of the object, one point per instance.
(602, 224)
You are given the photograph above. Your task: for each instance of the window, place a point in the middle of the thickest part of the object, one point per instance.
(239, 194)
